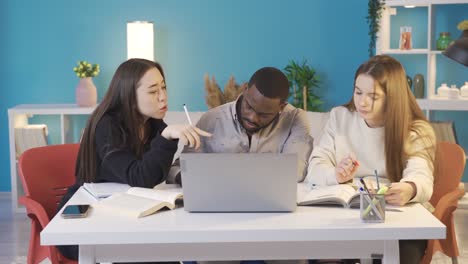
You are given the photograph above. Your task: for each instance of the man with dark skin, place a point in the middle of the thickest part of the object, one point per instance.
(259, 121)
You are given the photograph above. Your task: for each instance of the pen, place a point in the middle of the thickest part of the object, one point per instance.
(377, 178)
(365, 187)
(187, 115)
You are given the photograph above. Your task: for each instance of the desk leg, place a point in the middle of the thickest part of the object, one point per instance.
(391, 252)
(86, 255)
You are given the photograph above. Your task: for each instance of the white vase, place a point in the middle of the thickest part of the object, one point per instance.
(454, 92)
(443, 90)
(464, 90)
(86, 93)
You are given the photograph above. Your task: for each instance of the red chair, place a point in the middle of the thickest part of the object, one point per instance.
(450, 167)
(45, 173)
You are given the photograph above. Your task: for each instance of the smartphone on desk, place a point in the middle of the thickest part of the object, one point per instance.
(76, 211)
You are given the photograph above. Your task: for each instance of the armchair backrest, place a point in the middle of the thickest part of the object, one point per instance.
(46, 173)
(450, 166)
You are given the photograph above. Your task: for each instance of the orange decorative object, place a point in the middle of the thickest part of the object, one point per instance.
(405, 38)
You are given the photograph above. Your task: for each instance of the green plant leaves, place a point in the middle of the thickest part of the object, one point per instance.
(85, 69)
(374, 13)
(302, 75)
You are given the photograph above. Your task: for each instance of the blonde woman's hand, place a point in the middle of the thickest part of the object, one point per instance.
(189, 134)
(346, 169)
(400, 193)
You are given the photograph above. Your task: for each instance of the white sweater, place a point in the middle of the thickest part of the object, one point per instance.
(346, 132)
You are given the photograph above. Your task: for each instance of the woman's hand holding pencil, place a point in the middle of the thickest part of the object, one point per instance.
(189, 134)
(346, 169)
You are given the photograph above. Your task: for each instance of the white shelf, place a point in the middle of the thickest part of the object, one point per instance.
(444, 104)
(51, 109)
(422, 2)
(432, 55)
(18, 116)
(411, 51)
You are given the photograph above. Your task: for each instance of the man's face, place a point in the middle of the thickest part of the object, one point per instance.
(258, 111)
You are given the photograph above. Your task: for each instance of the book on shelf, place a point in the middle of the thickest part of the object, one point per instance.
(345, 195)
(139, 202)
(30, 136)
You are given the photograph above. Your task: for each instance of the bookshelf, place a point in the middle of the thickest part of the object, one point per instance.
(425, 18)
(20, 115)
(425, 35)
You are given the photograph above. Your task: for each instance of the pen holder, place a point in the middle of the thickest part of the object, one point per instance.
(372, 208)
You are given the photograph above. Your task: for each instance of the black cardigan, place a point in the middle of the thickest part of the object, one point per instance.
(122, 165)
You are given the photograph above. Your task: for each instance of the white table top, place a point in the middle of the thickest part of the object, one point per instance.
(179, 226)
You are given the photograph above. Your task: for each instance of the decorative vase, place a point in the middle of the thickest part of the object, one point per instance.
(454, 92)
(405, 38)
(410, 82)
(418, 84)
(443, 90)
(464, 90)
(86, 93)
(443, 41)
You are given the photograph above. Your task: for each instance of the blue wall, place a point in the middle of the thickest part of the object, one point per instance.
(42, 40)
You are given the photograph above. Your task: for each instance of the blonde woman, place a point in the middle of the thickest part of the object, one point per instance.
(381, 129)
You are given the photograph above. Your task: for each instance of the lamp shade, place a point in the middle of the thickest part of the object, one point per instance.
(458, 50)
(140, 40)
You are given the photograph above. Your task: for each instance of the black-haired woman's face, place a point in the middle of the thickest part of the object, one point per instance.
(151, 95)
(258, 111)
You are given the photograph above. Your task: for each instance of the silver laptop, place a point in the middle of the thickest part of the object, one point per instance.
(239, 182)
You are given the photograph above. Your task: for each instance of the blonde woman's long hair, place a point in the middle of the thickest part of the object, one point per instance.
(402, 114)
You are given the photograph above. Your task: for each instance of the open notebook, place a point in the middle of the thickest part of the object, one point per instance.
(342, 194)
(346, 195)
(139, 202)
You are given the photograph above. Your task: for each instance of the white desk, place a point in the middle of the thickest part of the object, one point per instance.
(308, 233)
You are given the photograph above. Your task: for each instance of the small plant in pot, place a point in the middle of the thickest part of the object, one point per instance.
(86, 93)
(303, 83)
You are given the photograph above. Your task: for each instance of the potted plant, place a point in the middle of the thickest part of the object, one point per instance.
(303, 82)
(86, 93)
